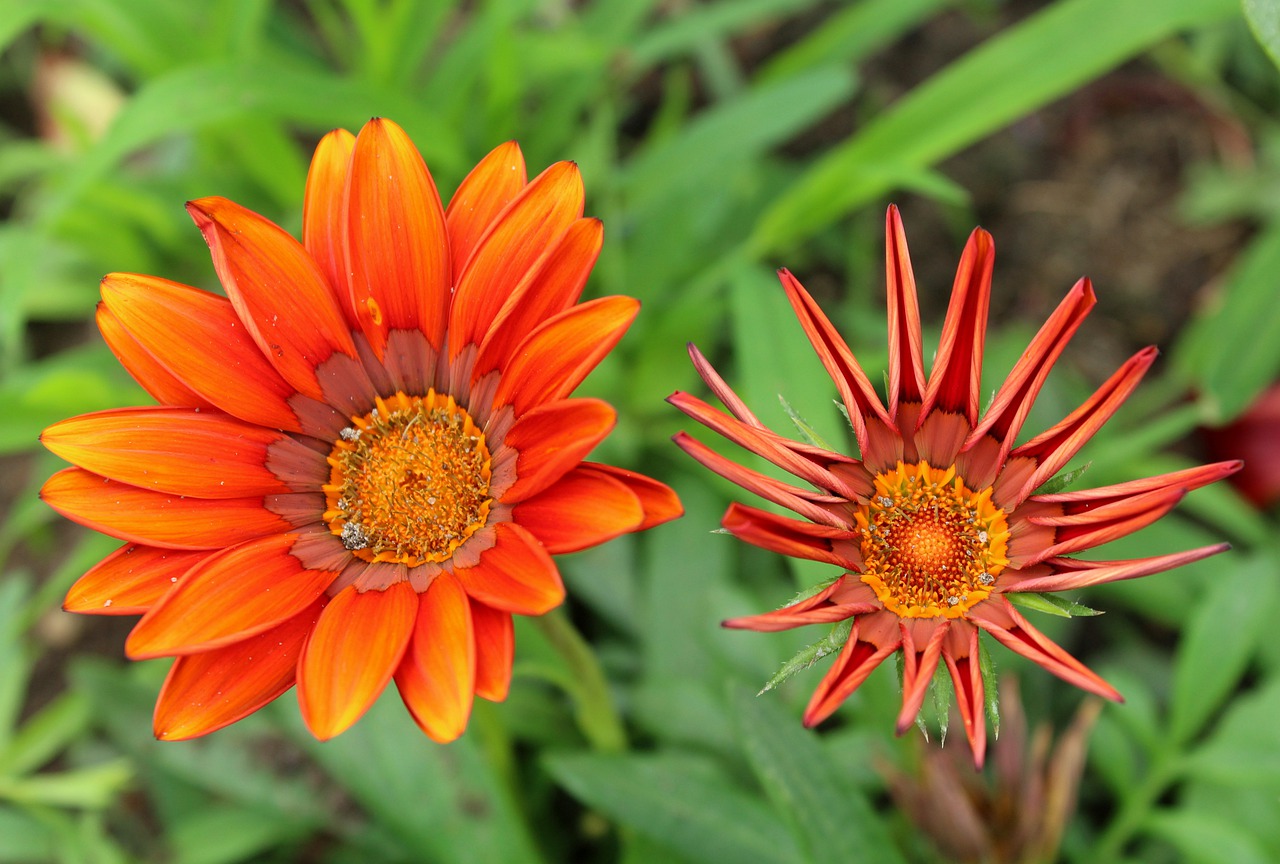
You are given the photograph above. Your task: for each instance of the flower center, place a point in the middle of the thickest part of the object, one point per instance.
(409, 481)
(931, 546)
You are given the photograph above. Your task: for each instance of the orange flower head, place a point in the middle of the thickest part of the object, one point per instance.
(366, 454)
(936, 523)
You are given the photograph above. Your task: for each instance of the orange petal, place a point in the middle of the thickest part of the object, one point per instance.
(203, 454)
(207, 691)
(353, 651)
(495, 649)
(818, 608)
(554, 283)
(130, 580)
(227, 598)
(199, 339)
(516, 575)
(1102, 524)
(145, 369)
(157, 518)
(1069, 574)
(858, 660)
(553, 360)
(660, 502)
(322, 215)
(396, 243)
(966, 676)
(906, 355)
(480, 197)
(917, 670)
(279, 292)
(956, 382)
(855, 388)
(517, 238)
(584, 509)
(553, 438)
(437, 677)
(793, 537)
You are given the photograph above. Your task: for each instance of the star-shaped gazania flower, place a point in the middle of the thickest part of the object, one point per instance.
(366, 454)
(937, 522)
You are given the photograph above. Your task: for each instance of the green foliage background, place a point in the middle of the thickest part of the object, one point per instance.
(689, 157)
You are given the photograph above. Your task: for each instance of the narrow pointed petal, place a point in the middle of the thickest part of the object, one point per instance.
(802, 501)
(480, 197)
(1069, 574)
(858, 660)
(819, 608)
(163, 386)
(495, 650)
(198, 338)
(227, 598)
(202, 454)
(353, 651)
(517, 238)
(999, 618)
(793, 537)
(437, 675)
(1188, 479)
(1103, 524)
(1053, 448)
(205, 692)
(659, 501)
(322, 209)
(583, 509)
(966, 676)
(553, 360)
(554, 283)
(130, 580)
(855, 389)
(906, 353)
(157, 518)
(397, 247)
(955, 385)
(917, 670)
(517, 575)
(1013, 401)
(280, 294)
(722, 390)
(553, 438)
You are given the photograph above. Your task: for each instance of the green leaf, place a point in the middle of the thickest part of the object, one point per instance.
(1244, 748)
(1264, 20)
(682, 801)
(1062, 482)
(990, 687)
(1050, 603)
(223, 834)
(807, 432)
(832, 815)
(1030, 64)
(1206, 838)
(1221, 636)
(807, 656)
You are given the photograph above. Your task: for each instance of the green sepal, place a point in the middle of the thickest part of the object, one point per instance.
(1051, 603)
(990, 687)
(1058, 483)
(936, 710)
(806, 593)
(806, 657)
(807, 432)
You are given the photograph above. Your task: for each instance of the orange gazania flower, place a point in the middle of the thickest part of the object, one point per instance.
(365, 456)
(937, 522)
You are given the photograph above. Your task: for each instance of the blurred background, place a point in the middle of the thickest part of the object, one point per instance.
(1134, 142)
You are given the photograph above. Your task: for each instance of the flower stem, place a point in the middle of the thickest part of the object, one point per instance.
(596, 715)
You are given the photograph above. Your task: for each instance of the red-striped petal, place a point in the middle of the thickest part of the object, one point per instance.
(353, 651)
(322, 210)
(816, 609)
(553, 438)
(437, 675)
(517, 575)
(495, 650)
(793, 537)
(205, 692)
(918, 667)
(490, 186)
(516, 239)
(966, 677)
(157, 518)
(955, 384)
(659, 501)
(1069, 574)
(145, 369)
(178, 450)
(227, 598)
(906, 353)
(858, 660)
(280, 294)
(582, 510)
(130, 580)
(397, 247)
(553, 360)
(198, 338)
